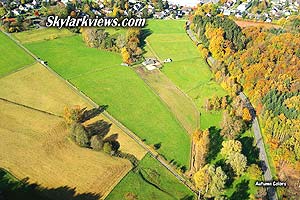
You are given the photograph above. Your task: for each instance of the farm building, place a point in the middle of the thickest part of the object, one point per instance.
(151, 64)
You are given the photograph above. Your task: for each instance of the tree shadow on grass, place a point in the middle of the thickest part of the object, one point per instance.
(99, 127)
(89, 114)
(228, 171)
(250, 151)
(188, 197)
(241, 191)
(13, 189)
(215, 144)
(144, 34)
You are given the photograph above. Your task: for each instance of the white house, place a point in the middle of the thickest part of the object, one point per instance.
(243, 7)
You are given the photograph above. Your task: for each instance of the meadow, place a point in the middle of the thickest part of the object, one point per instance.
(37, 88)
(150, 181)
(179, 104)
(41, 34)
(99, 75)
(35, 145)
(12, 57)
(188, 70)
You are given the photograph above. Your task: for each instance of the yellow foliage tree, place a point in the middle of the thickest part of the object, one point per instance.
(125, 55)
(246, 115)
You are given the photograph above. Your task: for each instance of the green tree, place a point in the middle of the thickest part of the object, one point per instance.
(97, 143)
(79, 135)
(238, 162)
(231, 126)
(231, 146)
(107, 148)
(210, 180)
(254, 172)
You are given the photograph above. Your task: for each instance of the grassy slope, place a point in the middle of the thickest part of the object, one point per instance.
(169, 186)
(127, 96)
(12, 57)
(70, 57)
(188, 70)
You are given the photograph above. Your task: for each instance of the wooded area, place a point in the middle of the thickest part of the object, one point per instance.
(265, 64)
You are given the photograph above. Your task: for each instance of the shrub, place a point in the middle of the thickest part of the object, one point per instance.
(97, 143)
(130, 196)
(79, 135)
(73, 114)
(134, 161)
(107, 148)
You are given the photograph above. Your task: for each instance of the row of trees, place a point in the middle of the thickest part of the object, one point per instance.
(88, 138)
(127, 43)
(94, 135)
(221, 38)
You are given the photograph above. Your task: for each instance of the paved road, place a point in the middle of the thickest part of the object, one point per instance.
(152, 152)
(260, 145)
(255, 126)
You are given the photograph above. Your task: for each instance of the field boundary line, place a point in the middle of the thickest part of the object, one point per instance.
(29, 107)
(172, 113)
(198, 121)
(164, 103)
(17, 70)
(153, 153)
(152, 50)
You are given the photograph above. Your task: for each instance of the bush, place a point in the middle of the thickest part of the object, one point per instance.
(73, 114)
(254, 172)
(97, 143)
(79, 135)
(130, 196)
(107, 148)
(134, 161)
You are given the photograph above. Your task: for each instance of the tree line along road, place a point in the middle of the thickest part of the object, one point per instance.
(255, 126)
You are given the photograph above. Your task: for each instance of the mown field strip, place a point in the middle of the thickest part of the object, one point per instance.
(179, 104)
(12, 57)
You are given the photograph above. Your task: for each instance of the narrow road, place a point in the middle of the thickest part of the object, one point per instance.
(255, 126)
(152, 152)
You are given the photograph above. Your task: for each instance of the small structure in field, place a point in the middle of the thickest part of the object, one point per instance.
(124, 64)
(150, 67)
(151, 64)
(168, 60)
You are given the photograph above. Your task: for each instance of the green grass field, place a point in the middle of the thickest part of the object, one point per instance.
(150, 181)
(99, 75)
(188, 70)
(71, 58)
(180, 105)
(12, 57)
(41, 34)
